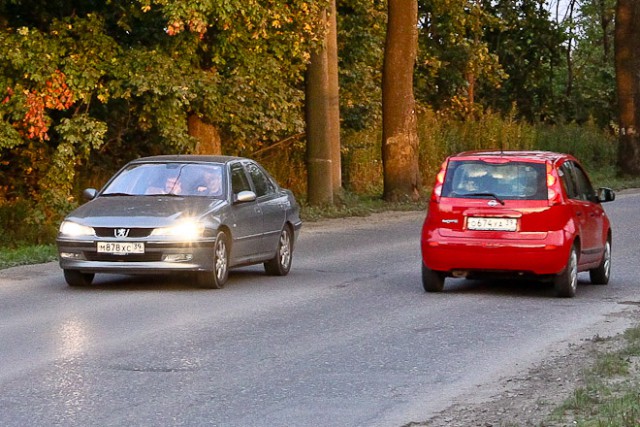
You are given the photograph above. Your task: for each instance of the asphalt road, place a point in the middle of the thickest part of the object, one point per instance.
(349, 338)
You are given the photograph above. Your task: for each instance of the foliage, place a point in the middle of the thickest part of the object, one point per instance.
(593, 93)
(453, 54)
(86, 86)
(529, 46)
(361, 37)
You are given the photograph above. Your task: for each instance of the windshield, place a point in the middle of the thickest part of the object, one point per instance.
(503, 181)
(174, 179)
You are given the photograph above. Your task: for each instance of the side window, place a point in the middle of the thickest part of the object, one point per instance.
(586, 190)
(239, 181)
(568, 180)
(261, 181)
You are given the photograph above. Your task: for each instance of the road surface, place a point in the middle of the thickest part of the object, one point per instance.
(348, 338)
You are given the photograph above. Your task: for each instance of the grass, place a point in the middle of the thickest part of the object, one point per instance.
(26, 255)
(611, 394)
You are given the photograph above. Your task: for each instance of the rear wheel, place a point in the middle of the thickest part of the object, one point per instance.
(432, 281)
(566, 282)
(218, 277)
(600, 275)
(77, 278)
(281, 263)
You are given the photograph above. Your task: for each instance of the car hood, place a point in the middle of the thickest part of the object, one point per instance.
(143, 211)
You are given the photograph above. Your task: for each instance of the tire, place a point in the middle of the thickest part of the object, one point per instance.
(280, 264)
(566, 282)
(217, 278)
(432, 281)
(76, 278)
(601, 274)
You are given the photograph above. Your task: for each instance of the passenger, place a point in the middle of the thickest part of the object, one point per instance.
(212, 185)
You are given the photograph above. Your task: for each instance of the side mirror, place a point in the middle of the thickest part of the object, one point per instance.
(606, 194)
(89, 194)
(244, 196)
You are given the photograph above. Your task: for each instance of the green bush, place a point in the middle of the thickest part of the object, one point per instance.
(24, 223)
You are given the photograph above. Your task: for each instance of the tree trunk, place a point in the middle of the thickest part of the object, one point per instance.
(206, 134)
(319, 158)
(627, 67)
(334, 97)
(399, 122)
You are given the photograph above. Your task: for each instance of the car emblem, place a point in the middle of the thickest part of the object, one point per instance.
(121, 232)
(492, 203)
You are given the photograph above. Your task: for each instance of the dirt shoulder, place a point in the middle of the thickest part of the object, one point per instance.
(531, 398)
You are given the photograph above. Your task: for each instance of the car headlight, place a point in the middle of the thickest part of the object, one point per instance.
(188, 230)
(73, 229)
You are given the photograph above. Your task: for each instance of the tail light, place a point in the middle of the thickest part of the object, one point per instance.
(553, 186)
(437, 187)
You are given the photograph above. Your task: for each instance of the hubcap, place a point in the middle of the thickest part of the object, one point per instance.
(285, 249)
(221, 259)
(607, 259)
(573, 270)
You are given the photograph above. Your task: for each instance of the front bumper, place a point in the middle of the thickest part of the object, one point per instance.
(158, 257)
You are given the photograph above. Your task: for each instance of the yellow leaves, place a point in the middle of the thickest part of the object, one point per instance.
(146, 8)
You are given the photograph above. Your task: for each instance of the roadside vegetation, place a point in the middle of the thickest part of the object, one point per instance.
(611, 392)
(27, 238)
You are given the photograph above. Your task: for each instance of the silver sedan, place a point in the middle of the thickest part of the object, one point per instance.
(196, 214)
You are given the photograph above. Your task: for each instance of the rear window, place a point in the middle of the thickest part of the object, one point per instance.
(480, 179)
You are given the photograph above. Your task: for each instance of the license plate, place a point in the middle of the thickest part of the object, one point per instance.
(492, 224)
(121, 248)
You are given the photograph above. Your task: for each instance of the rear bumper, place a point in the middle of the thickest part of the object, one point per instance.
(545, 256)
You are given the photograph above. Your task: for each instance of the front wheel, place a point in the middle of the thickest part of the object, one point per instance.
(432, 281)
(280, 264)
(566, 282)
(601, 274)
(218, 277)
(77, 278)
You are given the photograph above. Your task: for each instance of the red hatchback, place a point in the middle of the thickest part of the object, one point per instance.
(516, 214)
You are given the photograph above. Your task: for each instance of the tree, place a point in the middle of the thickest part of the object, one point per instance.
(592, 96)
(528, 44)
(454, 57)
(627, 60)
(318, 124)
(323, 116)
(85, 86)
(399, 123)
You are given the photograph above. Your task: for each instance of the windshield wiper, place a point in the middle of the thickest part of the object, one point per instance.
(486, 195)
(115, 194)
(163, 195)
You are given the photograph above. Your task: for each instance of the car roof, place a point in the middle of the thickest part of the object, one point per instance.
(188, 158)
(538, 156)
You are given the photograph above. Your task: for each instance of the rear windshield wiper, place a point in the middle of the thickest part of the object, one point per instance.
(486, 195)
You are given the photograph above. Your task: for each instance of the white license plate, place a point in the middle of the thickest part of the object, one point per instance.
(121, 248)
(492, 224)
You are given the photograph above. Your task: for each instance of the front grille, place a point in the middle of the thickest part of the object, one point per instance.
(148, 257)
(133, 232)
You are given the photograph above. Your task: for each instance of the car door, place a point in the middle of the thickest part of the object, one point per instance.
(247, 225)
(272, 204)
(586, 217)
(592, 233)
